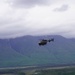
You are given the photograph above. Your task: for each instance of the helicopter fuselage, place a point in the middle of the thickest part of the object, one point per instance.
(44, 42)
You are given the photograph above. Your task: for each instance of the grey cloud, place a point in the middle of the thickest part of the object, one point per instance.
(13, 31)
(13, 25)
(28, 3)
(62, 8)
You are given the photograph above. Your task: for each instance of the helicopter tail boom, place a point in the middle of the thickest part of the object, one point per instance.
(50, 40)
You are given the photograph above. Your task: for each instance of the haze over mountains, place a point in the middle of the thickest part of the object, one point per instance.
(23, 51)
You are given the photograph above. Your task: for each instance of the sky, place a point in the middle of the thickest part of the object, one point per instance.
(37, 17)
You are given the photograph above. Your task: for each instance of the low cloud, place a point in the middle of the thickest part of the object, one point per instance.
(28, 3)
(62, 8)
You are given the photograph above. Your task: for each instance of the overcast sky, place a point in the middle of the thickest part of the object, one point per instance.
(37, 17)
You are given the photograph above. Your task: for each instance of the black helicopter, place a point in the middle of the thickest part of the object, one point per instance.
(44, 41)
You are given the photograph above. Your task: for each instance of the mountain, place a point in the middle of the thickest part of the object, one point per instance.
(23, 51)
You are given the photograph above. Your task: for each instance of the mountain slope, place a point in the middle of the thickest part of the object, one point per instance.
(26, 51)
(10, 57)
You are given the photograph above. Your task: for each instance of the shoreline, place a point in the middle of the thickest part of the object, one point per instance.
(13, 70)
(38, 67)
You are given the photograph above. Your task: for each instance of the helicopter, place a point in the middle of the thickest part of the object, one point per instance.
(44, 41)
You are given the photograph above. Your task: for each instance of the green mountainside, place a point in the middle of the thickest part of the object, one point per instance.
(23, 51)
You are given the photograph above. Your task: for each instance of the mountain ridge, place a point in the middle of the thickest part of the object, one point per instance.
(25, 50)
